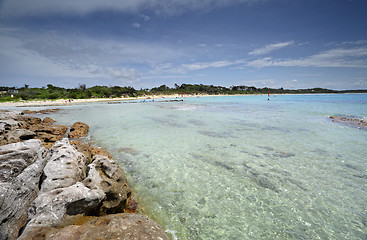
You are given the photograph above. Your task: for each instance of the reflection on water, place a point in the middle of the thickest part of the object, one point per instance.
(241, 167)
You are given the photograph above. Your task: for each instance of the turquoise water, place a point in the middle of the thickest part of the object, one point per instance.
(241, 167)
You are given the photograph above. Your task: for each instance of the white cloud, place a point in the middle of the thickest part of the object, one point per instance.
(16, 8)
(270, 47)
(136, 25)
(339, 57)
(125, 75)
(17, 61)
(202, 65)
(145, 17)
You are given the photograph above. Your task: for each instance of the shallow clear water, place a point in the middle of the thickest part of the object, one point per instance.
(241, 167)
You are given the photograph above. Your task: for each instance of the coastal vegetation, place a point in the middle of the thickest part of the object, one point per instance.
(82, 92)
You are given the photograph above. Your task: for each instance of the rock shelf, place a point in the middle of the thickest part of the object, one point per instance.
(54, 188)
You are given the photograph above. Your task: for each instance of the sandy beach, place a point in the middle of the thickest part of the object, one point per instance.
(65, 102)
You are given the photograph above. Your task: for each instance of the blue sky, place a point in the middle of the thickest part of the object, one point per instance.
(146, 43)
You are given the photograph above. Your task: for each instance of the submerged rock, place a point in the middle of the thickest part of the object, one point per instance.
(358, 122)
(20, 171)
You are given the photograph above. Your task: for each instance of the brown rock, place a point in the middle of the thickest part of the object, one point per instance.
(122, 226)
(47, 120)
(52, 129)
(46, 137)
(83, 148)
(79, 129)
(100, 151)
(44, 111)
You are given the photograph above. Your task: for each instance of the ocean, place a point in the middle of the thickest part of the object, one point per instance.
(241, 167)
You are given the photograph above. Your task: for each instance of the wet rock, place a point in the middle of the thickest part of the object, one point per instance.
(47, 120)
(122, 226)
(106, 175)
(100, 151)
(351, 121)
(78, 129)
(20, 171)
(44, 111)
(65, 166)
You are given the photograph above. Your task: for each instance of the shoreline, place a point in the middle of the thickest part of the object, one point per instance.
(71, 102)
(88, 193)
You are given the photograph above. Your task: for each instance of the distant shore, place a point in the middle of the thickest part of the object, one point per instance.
(68, 102)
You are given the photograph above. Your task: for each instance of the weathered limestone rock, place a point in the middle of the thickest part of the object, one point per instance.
(106, 175)
(52, 129)
(15, 136)
(100, 151)
(20, 171)
(122, 226)
(358, 122)
(65, 166)
(50, 208)
(83, 148)
(48, 120)
(78, 129)
(44, 111)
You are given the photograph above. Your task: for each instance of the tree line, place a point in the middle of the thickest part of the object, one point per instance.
(82, 92)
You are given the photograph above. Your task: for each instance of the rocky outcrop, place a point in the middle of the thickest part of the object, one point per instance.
(100, 151)
(65, 166)
(20, 171)
(78, 130)
(122, 226)
(13, 128)
(45, 194)
(44, 111)
(357, 122)
(105, 174)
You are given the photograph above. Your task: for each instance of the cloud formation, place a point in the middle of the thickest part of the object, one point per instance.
(334, 58)
(18, 8)
(124, 75)
(270, 47)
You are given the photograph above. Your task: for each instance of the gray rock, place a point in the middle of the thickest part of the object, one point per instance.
(18, 135)
(65, 166)
(50, 208)
(122, 226)
(21, 168)
(15, 157)
(106, 175)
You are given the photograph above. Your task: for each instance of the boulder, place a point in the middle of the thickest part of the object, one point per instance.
(105, 174)
(20, 172)
(50, 208)
(122, 226)
(65, 166)
(48, 120)
(78, 130)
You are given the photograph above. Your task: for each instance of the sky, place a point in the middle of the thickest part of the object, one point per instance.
(147, 43)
